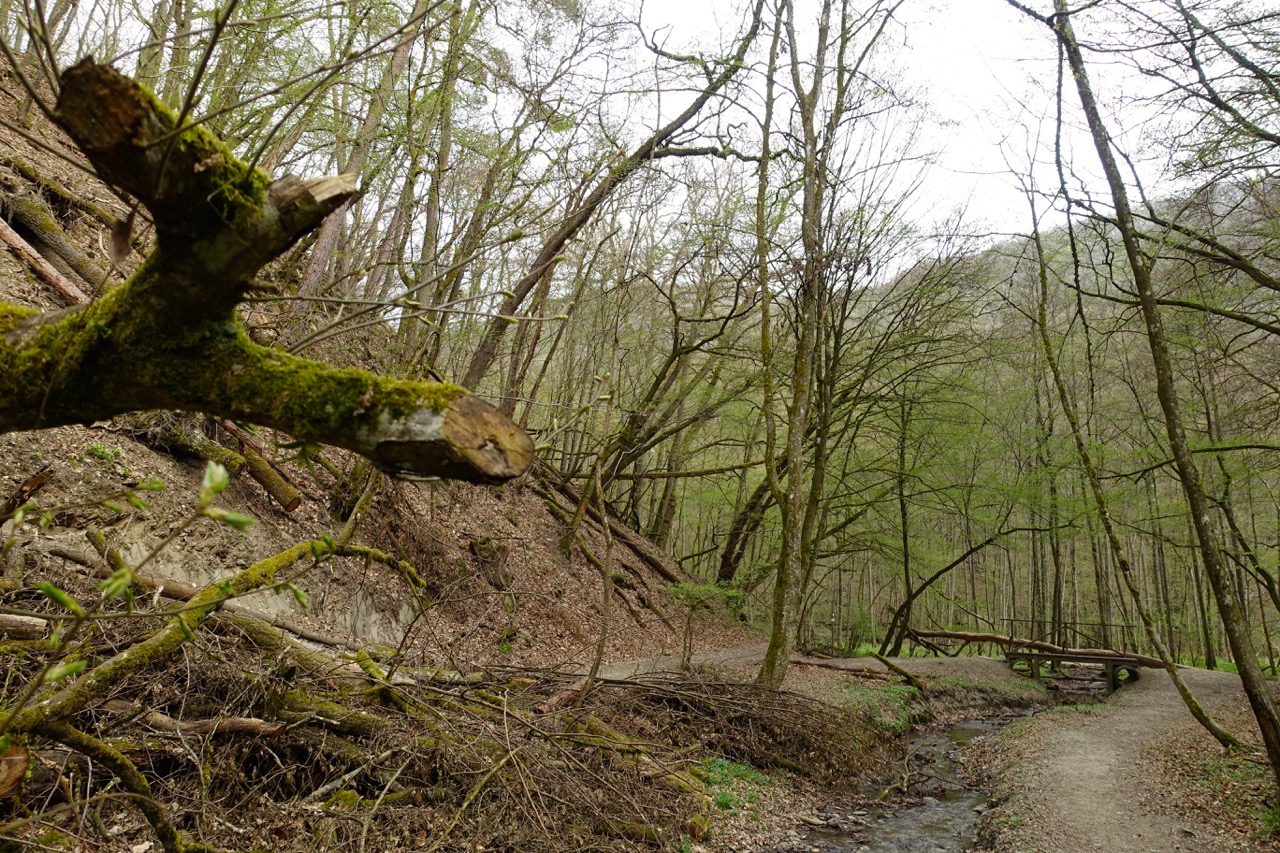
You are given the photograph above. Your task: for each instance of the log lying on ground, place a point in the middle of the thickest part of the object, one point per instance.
(1037, 645)
(22, 627)
(217, 726)
(651, 555)
(47, 236)
(281, 490)
(68, 291)
(176, 436)
(169, 338)
(50, 188)
(180, 591)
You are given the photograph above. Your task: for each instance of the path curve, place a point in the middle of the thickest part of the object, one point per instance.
(1079, 789)
(1076, 784)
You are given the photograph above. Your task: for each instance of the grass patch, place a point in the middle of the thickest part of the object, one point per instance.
(1270, 820)
(888, 708)
(721, 771)
(1011, 686)
(733, 785)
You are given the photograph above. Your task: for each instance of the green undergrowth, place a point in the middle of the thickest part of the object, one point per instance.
(1011, 692)
(891, 709)
(735, 787)
(1234, 791)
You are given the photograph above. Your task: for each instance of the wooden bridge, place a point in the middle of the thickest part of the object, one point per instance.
(1025, 641)
(1036, 651)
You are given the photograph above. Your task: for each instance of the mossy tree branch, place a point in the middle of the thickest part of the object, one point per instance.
(97, 682)
(169, 339)
(124, 769)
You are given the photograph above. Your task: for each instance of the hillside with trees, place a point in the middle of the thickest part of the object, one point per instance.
(680, 321)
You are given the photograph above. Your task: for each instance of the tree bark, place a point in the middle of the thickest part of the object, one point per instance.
(1242, 648)
(169, 338)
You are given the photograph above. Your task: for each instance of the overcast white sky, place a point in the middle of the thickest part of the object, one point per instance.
(988, 72)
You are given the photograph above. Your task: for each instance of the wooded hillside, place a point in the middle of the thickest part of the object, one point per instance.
(697, 280)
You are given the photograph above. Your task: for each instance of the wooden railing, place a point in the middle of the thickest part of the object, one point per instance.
(1090, 635)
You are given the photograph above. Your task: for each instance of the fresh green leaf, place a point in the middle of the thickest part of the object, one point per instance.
(299, 596)
(118, 584)
(66, 670)
(60, 598)
(215, 480)
(238, 520)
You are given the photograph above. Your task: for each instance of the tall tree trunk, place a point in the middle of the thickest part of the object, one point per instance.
(328, 240)
(1238, 635)
(903, 622)
(777, 656)
(1104, 512)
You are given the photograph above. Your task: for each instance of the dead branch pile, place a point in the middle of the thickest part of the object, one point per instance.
(248, 737)
(742, 722)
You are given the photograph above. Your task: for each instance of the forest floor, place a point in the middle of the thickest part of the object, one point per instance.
(1133, 774)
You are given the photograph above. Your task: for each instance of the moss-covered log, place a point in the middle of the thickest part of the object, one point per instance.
(60, 197)
(47, 236)
(281, 490)
(169, 338)
(177, 437)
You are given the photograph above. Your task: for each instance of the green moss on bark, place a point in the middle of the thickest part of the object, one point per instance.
(11, 315)
(98, 681)
(238, 189)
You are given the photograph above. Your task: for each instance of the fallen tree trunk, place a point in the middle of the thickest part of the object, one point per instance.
(1038, 645)
(169, 337)
(651, 555)
(216, 726)
(48, 187)
(280, 489)
(45, 271)
(22, 627)
(47, 236)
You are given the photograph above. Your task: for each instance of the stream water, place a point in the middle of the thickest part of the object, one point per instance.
(943, 820)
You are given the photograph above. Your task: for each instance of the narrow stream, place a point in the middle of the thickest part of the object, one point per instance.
(943, 821)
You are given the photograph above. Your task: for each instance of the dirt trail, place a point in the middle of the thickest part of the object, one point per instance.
(1075, 783)
(1079, 789)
